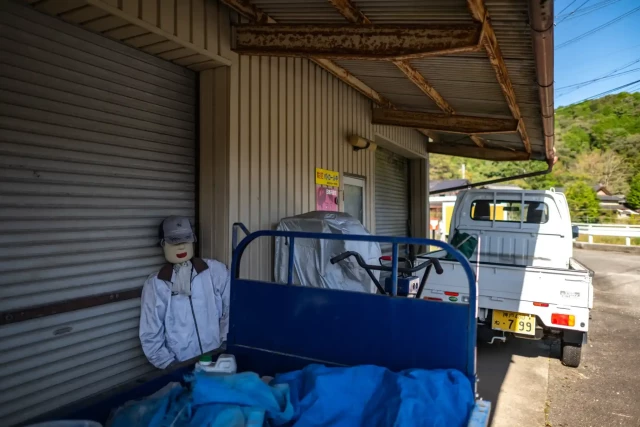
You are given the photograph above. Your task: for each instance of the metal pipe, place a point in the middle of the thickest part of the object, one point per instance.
(496, 181)
(541, 23)
(496, 338)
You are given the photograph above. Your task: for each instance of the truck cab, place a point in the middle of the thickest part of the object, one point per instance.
(529, 284)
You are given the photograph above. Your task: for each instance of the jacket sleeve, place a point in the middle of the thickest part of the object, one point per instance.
(221, 280)
(154, 307)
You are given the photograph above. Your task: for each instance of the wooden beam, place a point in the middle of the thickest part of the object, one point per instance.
(477, 152)
(352, 81)
(350, 11)
(422, 83)
(490, 43)
(363, 42)
(253, 13)
(443, 122)
(477, 140)
(354, 15)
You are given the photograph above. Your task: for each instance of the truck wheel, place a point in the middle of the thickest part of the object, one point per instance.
(571, 354)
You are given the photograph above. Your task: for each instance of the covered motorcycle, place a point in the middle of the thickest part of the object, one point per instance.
(312, 257)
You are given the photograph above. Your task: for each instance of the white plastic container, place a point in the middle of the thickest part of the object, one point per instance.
(225, 365)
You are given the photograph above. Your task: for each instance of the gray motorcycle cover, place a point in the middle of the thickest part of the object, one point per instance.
(312, 267)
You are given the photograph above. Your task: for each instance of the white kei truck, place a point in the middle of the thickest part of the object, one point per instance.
(529, 284)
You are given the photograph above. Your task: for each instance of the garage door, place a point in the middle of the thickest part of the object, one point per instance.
(97, 146)
(392, 194)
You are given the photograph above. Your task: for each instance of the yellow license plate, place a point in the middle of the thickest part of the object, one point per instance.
(514, 322)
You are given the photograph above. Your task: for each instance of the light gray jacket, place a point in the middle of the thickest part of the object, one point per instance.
(179, 327)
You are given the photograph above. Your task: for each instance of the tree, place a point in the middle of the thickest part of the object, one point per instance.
(633, 196)
(603, 167)
(583, 202)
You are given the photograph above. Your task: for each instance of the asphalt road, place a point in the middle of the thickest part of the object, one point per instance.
(528, 385)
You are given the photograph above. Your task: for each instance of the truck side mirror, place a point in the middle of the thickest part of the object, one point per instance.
(576, 231)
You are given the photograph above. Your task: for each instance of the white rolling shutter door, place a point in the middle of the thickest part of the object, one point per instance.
(392, 195)
(97, 146)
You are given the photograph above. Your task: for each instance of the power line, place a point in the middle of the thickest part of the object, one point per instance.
(596, 29)
(596, 79)
(567, 7)
(605, 75)
(588, 82)
(588, 10)
(574, 11)
(608, 91)
(618, 51)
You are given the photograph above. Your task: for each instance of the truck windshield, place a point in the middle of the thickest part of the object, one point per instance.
(529, 212)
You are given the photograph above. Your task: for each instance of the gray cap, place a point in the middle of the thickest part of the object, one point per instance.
(177, 229)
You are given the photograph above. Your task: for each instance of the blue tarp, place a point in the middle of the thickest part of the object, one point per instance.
(214, 401)
(371, 396)
(366, 396)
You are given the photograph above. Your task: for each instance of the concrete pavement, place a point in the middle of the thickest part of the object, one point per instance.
(605, 389)
(528, 385)
(514, 378)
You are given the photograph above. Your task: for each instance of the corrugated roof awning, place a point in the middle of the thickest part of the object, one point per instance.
(456, 60)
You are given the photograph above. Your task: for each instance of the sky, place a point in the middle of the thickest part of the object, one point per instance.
(596, 55)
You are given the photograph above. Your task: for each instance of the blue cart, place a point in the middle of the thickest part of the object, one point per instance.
(341, 328)
(277, 328)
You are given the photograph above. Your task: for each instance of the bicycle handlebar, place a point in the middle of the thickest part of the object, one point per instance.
(406, 270)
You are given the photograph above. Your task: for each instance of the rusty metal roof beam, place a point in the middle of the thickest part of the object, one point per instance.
(490, 43)
(476, 152)
(348, 41)
(354, 15)
(443, 122)
(253, 13)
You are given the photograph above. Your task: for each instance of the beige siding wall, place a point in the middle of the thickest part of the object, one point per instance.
(265, 124)
(419, 197)
(213, 207)
(205, 23)
(191, 33)
(289, 117)
(405, 141)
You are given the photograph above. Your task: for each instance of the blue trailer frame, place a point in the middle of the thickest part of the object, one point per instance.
(276, 327)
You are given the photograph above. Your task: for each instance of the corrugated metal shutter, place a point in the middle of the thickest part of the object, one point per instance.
(392, 195)
(97, 145)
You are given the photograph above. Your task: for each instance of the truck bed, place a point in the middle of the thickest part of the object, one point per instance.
(517, 288)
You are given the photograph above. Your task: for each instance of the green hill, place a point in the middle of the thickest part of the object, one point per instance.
(597, 141)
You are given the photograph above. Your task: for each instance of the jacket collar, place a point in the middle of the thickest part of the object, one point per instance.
(166, 272)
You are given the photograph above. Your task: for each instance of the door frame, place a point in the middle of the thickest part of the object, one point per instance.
(356, 181)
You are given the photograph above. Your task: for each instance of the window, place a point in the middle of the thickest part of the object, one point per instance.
(354, 202)
(510, 211)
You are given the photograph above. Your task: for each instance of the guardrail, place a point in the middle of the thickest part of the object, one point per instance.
(614, 230)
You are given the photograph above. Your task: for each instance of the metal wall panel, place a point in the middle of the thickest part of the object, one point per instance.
(97, 146)
(288, 117)
(193, 34)
(392, 202)
(419, 198)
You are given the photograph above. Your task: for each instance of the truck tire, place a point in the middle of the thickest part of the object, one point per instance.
(571, 354)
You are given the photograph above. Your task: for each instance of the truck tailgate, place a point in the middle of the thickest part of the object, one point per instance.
(570, 288)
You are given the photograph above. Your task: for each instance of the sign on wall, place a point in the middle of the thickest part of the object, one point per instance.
(327, 184)
(326, 198)
(327, 177)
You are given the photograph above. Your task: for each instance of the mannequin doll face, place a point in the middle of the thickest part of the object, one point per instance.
(178, 253)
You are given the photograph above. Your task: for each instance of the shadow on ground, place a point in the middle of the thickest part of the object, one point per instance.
(514, 377)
